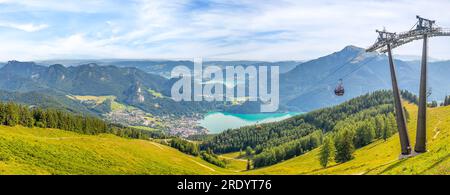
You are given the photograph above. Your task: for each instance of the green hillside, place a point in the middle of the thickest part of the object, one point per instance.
(381, 157)
(50, 151)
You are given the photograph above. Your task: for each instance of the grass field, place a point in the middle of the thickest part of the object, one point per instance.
(97, 100)
(235, 162)
(50, 151)
(144, 128)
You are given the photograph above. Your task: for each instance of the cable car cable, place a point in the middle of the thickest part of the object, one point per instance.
(353, 71)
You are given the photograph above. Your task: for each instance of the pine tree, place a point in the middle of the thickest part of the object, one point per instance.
(12, 114)
(344, 146)
(379, 125)
(434, 104)
(446, 101)
(326, 152)
(365, 133)
(248, 164)
(390, 127)
(248, 151)
(2, 114)
(26, 117)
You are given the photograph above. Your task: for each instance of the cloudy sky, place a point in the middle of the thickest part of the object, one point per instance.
(216, 29)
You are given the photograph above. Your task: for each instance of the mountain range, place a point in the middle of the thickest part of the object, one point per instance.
(361, 72)
(164, 67)
(129, 85)
(303, 86)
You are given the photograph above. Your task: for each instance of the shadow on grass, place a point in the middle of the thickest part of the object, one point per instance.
(393, 166)
(436, 163)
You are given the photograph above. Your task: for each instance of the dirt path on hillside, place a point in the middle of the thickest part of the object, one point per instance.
(436, 130)
(203, 165)
(157, 145)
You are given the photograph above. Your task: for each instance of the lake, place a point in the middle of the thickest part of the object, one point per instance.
(217, 122)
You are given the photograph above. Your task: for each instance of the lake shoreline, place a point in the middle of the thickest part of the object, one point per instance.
(217, 122)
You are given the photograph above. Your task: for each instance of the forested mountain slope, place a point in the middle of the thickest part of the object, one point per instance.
(382, 157)
(51, 151)
(278, 141)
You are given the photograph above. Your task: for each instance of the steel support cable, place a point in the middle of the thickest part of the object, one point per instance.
(336, 70)
(359, 67)
(339, 68)
(353, 71)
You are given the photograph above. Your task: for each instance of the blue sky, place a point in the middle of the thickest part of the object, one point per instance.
(215, 29)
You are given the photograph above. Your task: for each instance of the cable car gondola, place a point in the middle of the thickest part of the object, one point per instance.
(339, 90)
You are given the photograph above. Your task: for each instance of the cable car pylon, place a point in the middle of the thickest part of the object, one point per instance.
(384, 36)
(421, 134)
(387, 41)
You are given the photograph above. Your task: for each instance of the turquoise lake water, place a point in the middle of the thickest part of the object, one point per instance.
(217, 122)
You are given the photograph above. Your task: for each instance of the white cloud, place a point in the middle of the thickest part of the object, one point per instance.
(225, 29)
(87, 6)
(24, 27)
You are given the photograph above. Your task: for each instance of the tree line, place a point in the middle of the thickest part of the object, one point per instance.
(12, 114)
(185, 146)
(192, 148)
(413, 98)
(355, 133)
(288, 150)
(212, 158)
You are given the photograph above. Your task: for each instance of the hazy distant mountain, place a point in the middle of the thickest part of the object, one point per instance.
(285, 66)
(311, 84)
(130, 85)
(414, 58)
(89, 79)
(164, 67)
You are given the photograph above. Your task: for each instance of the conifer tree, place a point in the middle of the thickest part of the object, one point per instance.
(391, 126)
(326, 152)
(12, 114)
(344, 146)
(365, 133)
(2, 114)
(26, 117)
(446, 101)
(379, 125)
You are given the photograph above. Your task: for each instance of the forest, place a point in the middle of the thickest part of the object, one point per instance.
(12, 114)
(192, 148)
(351, 125)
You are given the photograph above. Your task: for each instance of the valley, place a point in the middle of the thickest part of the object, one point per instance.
(137, 92)
(52, 151)
(223, 95)
(144, 131)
